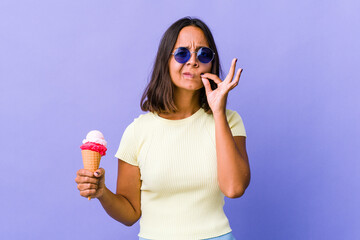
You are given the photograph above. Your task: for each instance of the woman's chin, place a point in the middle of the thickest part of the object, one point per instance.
(190, 87)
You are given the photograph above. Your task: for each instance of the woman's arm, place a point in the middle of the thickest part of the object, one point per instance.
(124, 206)
(232, 161)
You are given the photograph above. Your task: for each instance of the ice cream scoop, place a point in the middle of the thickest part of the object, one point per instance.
(95, 136)
(95, 141)
(92, 149)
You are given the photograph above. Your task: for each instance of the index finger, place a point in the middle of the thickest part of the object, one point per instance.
(85, 173)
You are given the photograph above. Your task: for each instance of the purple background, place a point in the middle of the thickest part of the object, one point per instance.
(67, 67)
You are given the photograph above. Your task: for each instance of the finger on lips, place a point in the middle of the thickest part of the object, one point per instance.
(228, 78)
(211, 76)
(216, 79)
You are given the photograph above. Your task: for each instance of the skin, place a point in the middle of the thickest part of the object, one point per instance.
(186, 93)
(232, 159)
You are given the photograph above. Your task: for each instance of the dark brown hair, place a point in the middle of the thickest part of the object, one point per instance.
(159, 93)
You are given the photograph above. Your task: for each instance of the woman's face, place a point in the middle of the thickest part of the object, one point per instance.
(187, 75)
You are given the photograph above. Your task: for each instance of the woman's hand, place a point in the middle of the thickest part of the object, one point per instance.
(91, 184)
(217, 98)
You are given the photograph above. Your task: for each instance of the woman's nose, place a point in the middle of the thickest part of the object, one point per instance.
(193, 59)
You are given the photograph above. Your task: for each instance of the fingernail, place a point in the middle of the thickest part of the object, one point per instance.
(201, 74)
(236, 60)
(97, 174)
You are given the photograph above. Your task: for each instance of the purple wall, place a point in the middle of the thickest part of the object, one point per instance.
(67, 67)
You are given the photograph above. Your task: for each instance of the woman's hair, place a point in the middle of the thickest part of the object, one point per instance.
(159, 93)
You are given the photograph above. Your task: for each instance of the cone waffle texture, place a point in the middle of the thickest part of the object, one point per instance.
(91, 159)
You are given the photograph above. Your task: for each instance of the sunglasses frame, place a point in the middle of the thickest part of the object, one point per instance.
(197, 54)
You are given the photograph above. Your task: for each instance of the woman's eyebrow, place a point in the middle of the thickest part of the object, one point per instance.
(197, 48)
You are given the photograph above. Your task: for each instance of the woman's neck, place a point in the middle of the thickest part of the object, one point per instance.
(187, 103)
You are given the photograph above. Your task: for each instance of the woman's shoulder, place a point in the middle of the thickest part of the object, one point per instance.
(143, 119)
(232, 113)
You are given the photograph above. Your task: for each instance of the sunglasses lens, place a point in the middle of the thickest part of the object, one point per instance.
(182, 55)
(205, 55)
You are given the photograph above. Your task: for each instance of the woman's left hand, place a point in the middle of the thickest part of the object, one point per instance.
(217, 98)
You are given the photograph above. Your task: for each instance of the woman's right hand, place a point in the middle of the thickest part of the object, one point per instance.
(91, 184)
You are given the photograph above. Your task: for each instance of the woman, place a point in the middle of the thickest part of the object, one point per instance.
(176, 162)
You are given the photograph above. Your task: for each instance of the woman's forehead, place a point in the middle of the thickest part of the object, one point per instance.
(191, 37)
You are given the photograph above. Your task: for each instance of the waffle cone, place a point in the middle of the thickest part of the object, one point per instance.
(91, 159)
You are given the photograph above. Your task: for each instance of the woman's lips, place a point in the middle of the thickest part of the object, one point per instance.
(188, 75)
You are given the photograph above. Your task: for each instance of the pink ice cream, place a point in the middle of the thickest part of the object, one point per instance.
(95, 141)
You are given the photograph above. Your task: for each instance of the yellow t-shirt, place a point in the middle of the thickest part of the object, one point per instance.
(180, 195)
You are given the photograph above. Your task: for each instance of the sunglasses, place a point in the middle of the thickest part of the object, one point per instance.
(204, 54)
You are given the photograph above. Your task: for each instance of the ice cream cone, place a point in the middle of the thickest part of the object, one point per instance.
(91, 160)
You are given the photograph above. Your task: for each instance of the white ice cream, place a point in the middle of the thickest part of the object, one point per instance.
(95, 136)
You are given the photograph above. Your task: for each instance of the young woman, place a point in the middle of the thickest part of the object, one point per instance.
(178, 161)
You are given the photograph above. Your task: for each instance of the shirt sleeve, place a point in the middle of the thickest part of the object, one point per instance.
(127, 151)
(235, 122)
